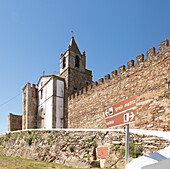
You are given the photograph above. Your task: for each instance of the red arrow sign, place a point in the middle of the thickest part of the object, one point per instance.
(120, 107)
(121, 119)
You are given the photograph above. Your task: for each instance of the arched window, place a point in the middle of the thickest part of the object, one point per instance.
(64, 62)
(77, 61)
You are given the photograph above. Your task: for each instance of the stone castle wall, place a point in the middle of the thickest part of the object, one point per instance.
(147, 79)
(14, 122)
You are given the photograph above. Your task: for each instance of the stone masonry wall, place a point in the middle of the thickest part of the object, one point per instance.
(148, 79)
(29, 106)
(14, 122)
(77, 148)
(78, 79)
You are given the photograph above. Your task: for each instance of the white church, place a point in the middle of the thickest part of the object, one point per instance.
(45, 105)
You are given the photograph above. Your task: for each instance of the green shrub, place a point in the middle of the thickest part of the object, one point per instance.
(25, 138)
(50, 136)
(2, 140)
(29, 140)
(57, 143)
(138, 151)
(88, 145)
(89, 140)
(71, 149)
(14, 136)
(18, 142)
(67, 134)
(29, 132)
(6, 139)
(131, 149)
(116, 149)
(134, 151)
(48, 141)
(39, 137)
(88, 157)
(44, 143)
(122, 152)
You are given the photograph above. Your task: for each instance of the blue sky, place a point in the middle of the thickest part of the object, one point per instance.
(33, 33)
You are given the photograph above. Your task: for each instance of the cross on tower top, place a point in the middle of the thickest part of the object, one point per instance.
(72, 32)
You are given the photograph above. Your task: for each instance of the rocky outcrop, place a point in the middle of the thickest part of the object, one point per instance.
(76, 148)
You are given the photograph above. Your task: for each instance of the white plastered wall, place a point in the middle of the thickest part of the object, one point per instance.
(46, 103)
(59, 104)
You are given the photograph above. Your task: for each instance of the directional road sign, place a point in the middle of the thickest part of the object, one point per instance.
(121, 119)
(121, 113)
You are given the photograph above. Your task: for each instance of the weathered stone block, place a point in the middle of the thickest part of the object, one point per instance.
(114, 73)
(150, 53)
(80, 92)
(121, 69)
(107, 77)
(163, 45)
(72, 96)
(84, 89)
(130, 64)
(89, 87)
(94, 84)
(139, 58)
(100, 81)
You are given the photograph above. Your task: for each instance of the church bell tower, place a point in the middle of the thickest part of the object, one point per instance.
(73, 69)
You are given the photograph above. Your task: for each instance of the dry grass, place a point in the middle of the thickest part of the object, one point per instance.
(20, 163)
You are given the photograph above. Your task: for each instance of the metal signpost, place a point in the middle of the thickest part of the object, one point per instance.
(127, 145)
(119, 114)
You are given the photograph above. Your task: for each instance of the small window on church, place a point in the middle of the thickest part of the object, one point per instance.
(77, 61)
(41, 93)
(64, 62)
(87, 83)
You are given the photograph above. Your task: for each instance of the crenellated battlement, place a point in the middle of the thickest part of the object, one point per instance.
(125, 71)
(33, 86)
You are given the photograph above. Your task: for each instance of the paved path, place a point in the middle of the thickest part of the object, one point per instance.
(164, 164)
(155, 159)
